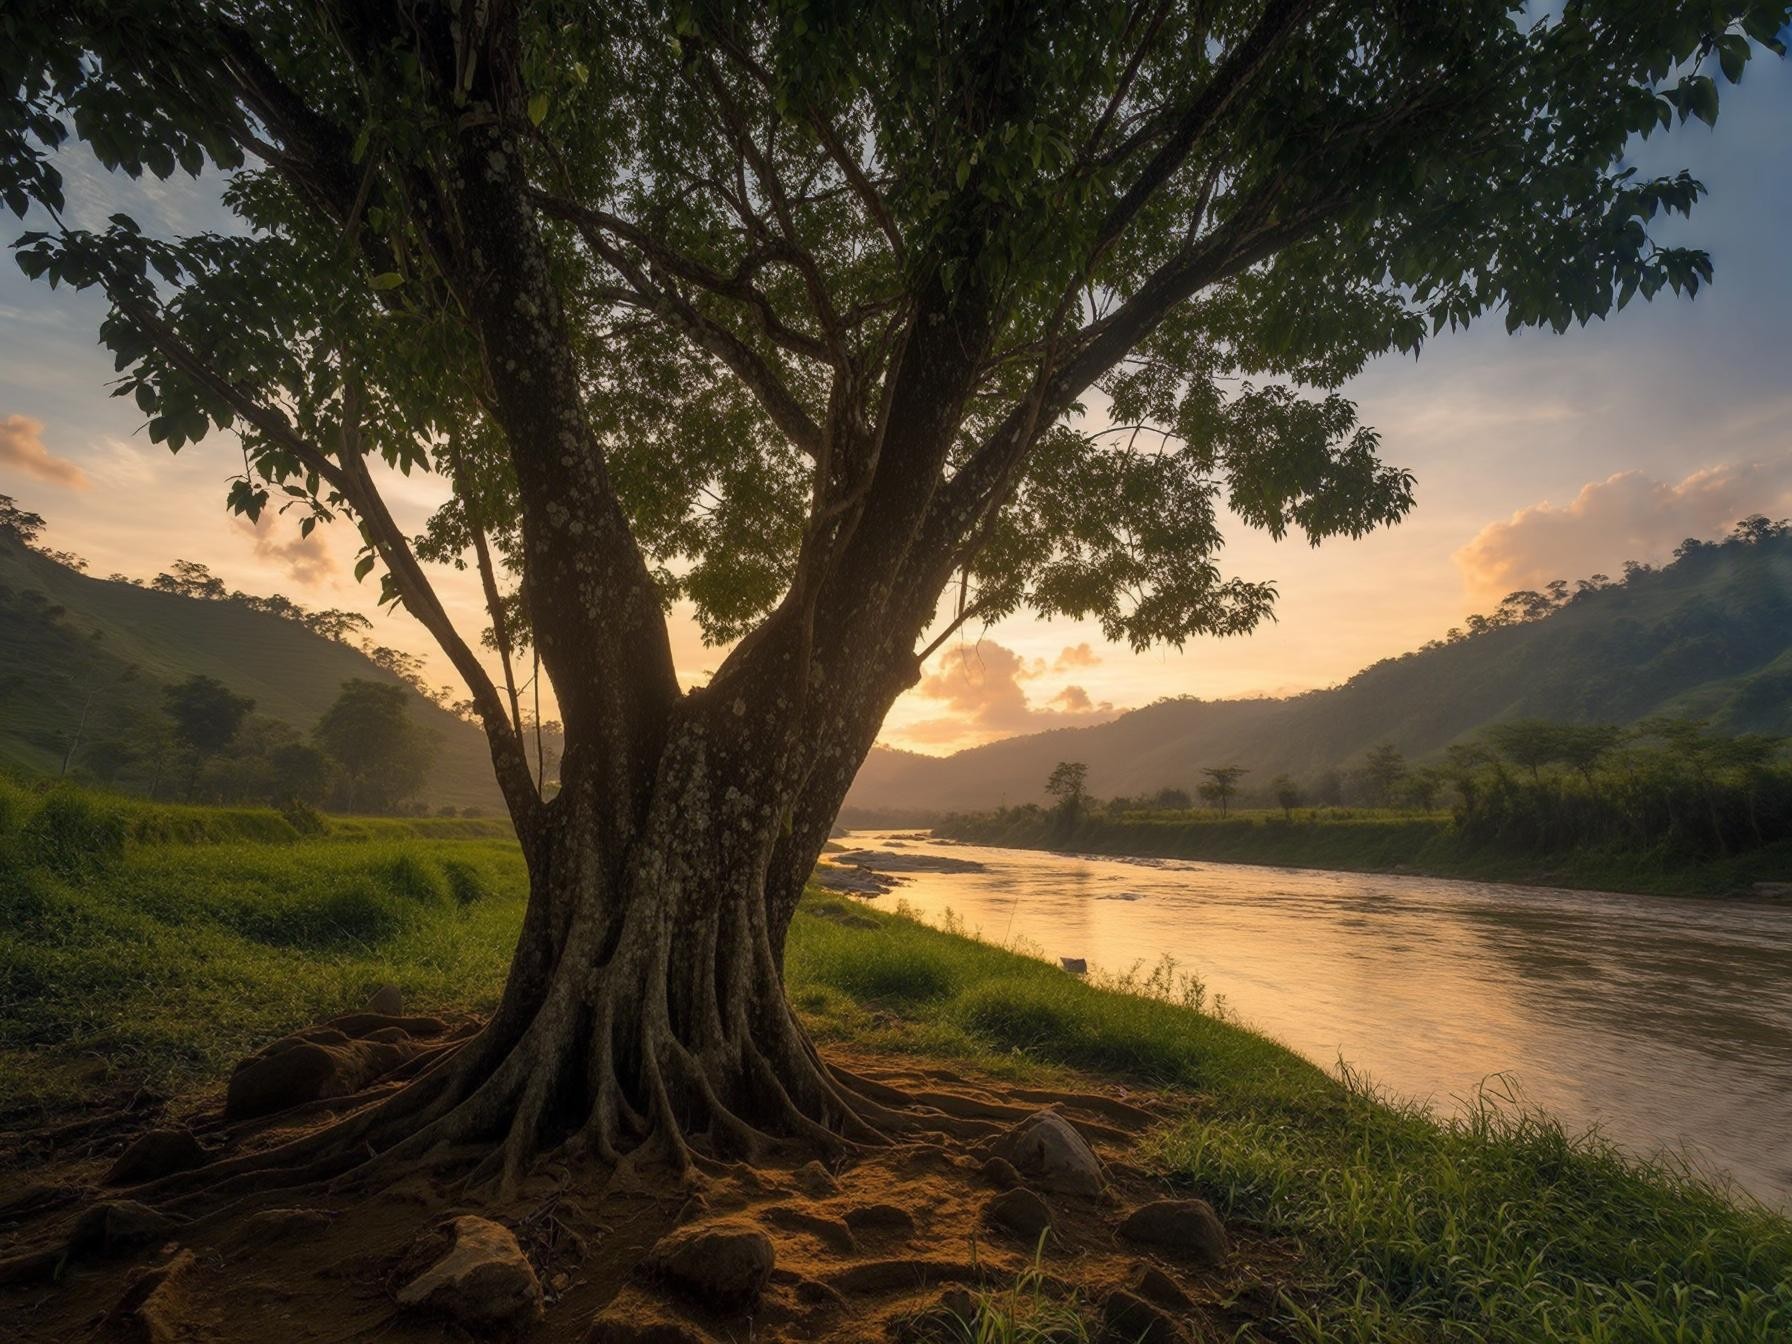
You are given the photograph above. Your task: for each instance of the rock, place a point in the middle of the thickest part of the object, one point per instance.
(624, 1325)
(272, 1225)
(882, 861)
(159, 1152)
(152, 1309)
(1019, 1211)
(118, 1225)
(1777, 891)
(815, 1180)
(830, 1232)
(327, 1061)
(1075, 965)
(387, 1001)
(484, 1281)
(1000, 1172)
(948, 1316)
(880, 1218)
(1152, 1284)
(724, 1264)
(1186, 1228)
(1129, 1319)
(1046, 1149)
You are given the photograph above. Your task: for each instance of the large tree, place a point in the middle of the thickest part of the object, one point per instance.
(844, 325)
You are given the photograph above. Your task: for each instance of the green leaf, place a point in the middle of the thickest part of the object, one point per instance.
(386, 280)
(538, 109)
(363, 567)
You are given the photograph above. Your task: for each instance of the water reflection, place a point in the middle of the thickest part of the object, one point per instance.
(1666, 1022)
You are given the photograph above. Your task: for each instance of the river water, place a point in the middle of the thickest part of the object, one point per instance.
(1665, 1022)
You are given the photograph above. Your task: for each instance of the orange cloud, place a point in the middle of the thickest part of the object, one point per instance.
(307, 560)
(981, 685)
(1626, 516)
(1076, 655)
(22, 447)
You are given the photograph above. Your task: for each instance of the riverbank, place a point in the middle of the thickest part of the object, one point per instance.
(1427, 844)
(140, 976)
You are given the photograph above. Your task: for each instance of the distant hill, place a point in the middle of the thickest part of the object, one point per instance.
(67, 640)
(1709, 636)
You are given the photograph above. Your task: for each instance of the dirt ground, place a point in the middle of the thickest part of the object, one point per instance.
(863, 1251)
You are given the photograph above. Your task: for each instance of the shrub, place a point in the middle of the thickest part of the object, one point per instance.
(465, 883)
(410, 879)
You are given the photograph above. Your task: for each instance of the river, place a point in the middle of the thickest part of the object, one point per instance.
(1665, 1022)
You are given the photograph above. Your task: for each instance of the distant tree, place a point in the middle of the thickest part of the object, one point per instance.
(1287, 794)
(1068, 784)
(1423, 785)
(19, 524)
(1384, 770)
(1529, 744)
(1171, 800)
(1329, 789)
(207, 715)
(337, 624)
(1582, 746)
(1757, 528)
(383, 756)
(1222, 784)
(1463, 765)
(299, 772)
(189, 578)
(67, 559)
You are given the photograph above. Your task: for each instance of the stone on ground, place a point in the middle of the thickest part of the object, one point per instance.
(159, 1152)
(1129, 1319)
(1000, 1172)
(724, 1264)
(625, 1325)
(484, 1281)
(118, 1225)
(1152, 1284)
(880, 1218)
(334, 1059)
(1186, 1228)
(1018, 1211)
(387, 1001)
(815, 1180)
(1047, 1150)
(152, 1309)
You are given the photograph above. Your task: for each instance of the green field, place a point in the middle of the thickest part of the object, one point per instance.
(1368, 840)
(151, 947)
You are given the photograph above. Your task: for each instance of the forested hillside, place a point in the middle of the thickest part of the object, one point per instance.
(84, 663)
(1708, 637)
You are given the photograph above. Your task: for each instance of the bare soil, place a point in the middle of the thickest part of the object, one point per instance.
(840, 1274)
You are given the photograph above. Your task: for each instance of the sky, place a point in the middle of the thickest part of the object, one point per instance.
(1537, 457)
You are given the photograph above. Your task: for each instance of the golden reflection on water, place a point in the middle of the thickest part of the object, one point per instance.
(1667, 1023)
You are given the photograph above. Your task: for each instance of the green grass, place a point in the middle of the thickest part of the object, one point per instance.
(158, 963)
(1371, 841)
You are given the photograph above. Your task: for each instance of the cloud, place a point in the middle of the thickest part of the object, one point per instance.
(981, 685)
(1626, 516)
(307, 560)
(1076, 655)
(22, 447)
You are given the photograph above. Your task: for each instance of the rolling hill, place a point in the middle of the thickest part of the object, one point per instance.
(70, 643)
(1709, 636)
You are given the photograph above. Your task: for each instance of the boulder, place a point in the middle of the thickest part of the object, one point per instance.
(815, 1180)
(626, 1325)
(1047, 1150)
(1075, 965)
(151, 1309)
(158, 1152)
(1152, 1284)
(1188, 1229)
(875, 1218)
(483, 1282)
(949, 1316)
(335, 1059)
(118, 1225)
(1019, 1211)
(387, 1001)
(1127, 1318)
(723, 1264)
(1000, 1172)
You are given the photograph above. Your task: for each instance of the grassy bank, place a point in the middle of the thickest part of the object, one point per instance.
(1368, 841)
(163, 962)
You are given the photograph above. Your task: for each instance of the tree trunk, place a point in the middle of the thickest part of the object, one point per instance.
(645, 1011)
